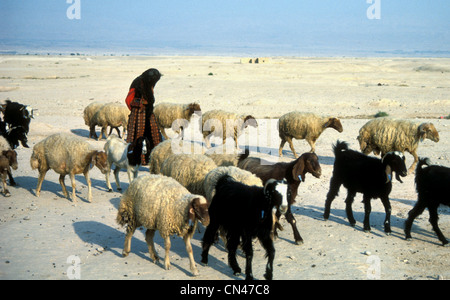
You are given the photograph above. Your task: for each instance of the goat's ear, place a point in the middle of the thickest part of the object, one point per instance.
(269, 186)
(298, 169)
(388, 172)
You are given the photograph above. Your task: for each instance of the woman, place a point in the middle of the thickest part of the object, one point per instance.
(140, 101)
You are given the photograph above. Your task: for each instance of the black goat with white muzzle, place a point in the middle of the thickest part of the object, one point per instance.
(245, 212)
(370, 176)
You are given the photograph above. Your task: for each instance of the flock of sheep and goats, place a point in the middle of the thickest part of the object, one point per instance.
(183, 189)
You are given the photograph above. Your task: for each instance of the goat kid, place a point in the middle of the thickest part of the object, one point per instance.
(294, 172)
(124, 156)
(370, 176)
(433, 189)
(8, 160)
(244, 212)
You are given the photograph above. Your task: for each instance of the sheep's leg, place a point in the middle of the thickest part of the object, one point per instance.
(267, 243)
(116, 177)
(167, 245)
(11, 179)
(248, 250)
(193, 266)
(232, 244)
(413, 166)
(367, 211)
(291, 145)
(88, 180)
(348, 208)
(127, 243)
(280, 150)
(208, 240)
(388, 210)
(149, 234)
(40, 180)
(102, 132)
(290, 218)
(6, 193)
(312, 144)
(413, 213)
(332, 193)
(72, 180)
(434, 222)
(92, 133)
(63, 185)
(108, 182)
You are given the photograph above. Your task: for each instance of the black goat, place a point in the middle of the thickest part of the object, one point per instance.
(242, 211)
(370, 176)
(16, 114)
(15, 135)
(433, 189)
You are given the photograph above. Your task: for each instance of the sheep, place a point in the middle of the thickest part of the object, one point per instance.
(225, 124)
(110, 114)
(168, 113)
(294, 172)
(160, 203)
(240, 175)
(189, 170)
(8, 159)
(382, 135)
(66, 155)
(223, 155)
(124, 156)
(308, 126)
(244, 212)
(88, 112)
(168, 147)
(370, 176)
(11, 154)
(433, 189)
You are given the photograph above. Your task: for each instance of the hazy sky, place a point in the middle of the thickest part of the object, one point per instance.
(408, 25)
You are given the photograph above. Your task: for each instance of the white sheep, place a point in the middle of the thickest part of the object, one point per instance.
(160, 203)
(110, 114)
(168, 147)
(239, 175)
(223, 155)
(67, 155)
(189, 170)
(88, 112)
(225, 124)
(168, 113)
(383, 135)
(308, 126)
(124, 156)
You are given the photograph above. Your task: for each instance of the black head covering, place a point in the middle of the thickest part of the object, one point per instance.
(145, 83)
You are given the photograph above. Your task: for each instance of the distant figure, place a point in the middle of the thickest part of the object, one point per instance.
(140, 101)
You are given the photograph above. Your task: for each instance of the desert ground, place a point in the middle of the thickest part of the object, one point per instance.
(50, 237)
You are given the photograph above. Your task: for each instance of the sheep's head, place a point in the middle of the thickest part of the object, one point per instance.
(306, 163)
(194, 108)
(277, 192)
(250, 121)
(394, 162)
(99, 159)
(199, 210)
(428, 131)
(11, 155)
(334, 123)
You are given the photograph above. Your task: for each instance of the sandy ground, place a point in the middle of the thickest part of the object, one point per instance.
(41, 237)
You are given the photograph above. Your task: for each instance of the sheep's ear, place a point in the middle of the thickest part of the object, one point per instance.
(93, 160)
(388, 171)
(298, 169)
(423, 128)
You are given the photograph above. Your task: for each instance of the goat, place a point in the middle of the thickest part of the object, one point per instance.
(433, 189)
(8, 159)
(294, 172)
(124, 156)
(243, 211)
(16, 114)
(370, 176)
